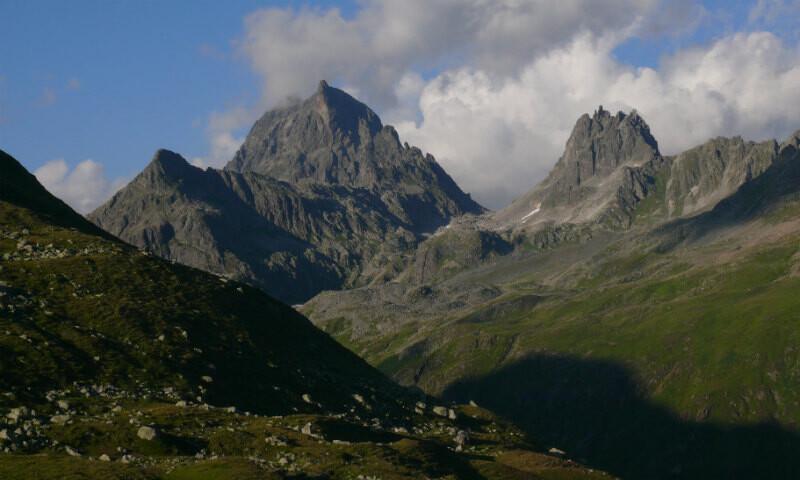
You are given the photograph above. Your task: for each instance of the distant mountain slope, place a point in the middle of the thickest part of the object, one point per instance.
(118, 364)
(668, 340)
(702, 176)
(611, 167)
(320, 196)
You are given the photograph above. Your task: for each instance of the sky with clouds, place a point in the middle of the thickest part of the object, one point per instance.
(90, 89)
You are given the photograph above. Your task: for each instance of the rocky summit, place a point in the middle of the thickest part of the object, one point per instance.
(117, 364)
(607, 166)
(320, 196)
(333, 139)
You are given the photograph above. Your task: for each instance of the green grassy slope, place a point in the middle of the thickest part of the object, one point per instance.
(668, 346)
(672, 349)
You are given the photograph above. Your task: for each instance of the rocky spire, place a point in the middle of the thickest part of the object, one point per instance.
(586, 181)
(343, 115)
(166, 167)
(598, 146)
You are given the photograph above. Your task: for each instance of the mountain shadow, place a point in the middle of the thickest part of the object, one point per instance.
(597, 413)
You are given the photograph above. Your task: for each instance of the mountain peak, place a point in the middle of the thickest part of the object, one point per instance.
(585, 182)
(310, 140)
(344, 115)
(601, 113)
(169, 158)
(598, 144)
(167, 165)
(332, 138)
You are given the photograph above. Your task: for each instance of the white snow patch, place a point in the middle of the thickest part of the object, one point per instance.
(533, 212)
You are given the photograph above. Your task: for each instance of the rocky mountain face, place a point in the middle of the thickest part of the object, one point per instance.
(606, 169)
(702, 176)
(610, 180)
(333, 139)
(117, 364)
(320, 196)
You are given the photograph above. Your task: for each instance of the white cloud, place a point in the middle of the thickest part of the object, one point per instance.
(223, 142)
(513, 76)
(293, 50)
(83, 188)
(499, 137)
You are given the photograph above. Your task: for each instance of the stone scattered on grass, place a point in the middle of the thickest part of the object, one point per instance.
(146, 433)
(60, 419)
(71, 452)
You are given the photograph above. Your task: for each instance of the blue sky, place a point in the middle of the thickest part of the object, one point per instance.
(114, 80)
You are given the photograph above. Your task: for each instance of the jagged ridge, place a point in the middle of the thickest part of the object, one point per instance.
(320, 196)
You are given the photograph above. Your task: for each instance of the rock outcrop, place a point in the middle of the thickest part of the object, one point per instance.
(702, 176)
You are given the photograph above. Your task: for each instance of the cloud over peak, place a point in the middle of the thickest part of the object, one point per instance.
(293, 49)
(83, 188)
(492, 88)
(498, 138)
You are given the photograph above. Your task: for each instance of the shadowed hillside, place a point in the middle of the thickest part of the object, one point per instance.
(596, 411)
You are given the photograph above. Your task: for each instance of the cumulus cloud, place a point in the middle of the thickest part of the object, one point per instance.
(222, 138)
(498, 138)
(294, 49)
(493, 87)
(83, 188)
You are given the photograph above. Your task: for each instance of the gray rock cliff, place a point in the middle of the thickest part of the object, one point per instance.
(320, 196)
